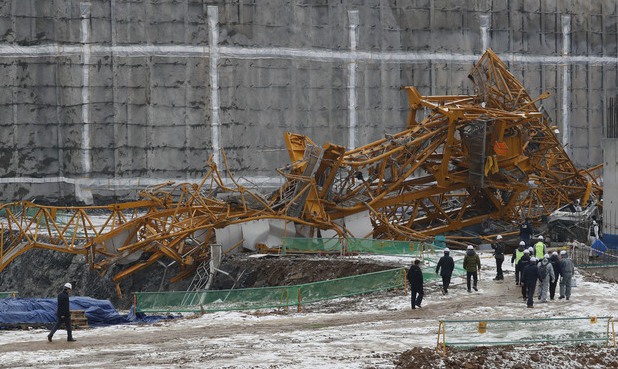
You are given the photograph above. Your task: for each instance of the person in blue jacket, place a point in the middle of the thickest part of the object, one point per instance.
(64, 314)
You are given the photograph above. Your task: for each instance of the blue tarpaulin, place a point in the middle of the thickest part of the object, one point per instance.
(16, 311)
(599, 247)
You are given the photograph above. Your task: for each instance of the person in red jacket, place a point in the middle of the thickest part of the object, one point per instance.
(64, 313)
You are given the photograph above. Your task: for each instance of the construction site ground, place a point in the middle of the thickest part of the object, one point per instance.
(372, 331)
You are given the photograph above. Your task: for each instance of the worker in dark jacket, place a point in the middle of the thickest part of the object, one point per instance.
(522, 264)
(472, 264)
(499, 249)
(529, 278)
(515, 259)
(445, 267)
(525, 231)
(415, 277)
(555, 263)
(64, 313)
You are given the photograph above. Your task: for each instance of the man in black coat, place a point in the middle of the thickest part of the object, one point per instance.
(64, 313)
(499, 248)
(445, 267)
(523, 263)
(529, 278)
(555, 262)
(415, 277)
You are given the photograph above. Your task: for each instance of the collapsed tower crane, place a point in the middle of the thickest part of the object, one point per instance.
(470, 158)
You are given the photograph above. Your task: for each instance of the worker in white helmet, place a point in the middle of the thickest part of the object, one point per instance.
(472, 264)
(519, 252)
(540, 249)
(64, 313)
(499, 248)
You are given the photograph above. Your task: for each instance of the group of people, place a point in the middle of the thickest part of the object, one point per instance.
(445, 267)
(534, 265)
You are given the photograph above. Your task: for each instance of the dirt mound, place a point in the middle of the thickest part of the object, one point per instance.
(527, 357)
(246, 272)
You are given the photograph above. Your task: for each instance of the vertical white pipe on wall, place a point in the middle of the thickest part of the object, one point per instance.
(213, 40)
(85, 38)
(485, 24)
(566, 81)
(352, 98)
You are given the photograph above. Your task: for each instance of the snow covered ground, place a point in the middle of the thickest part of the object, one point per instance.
(368, 331)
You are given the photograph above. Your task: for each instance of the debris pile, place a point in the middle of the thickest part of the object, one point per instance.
(493, 155)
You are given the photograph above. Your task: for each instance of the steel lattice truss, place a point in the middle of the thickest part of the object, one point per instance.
(470, 158)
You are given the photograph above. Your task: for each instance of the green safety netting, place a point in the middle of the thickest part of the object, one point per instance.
(491, 332)
(353, 245)
(431, 262)
(274, 297)
(6, 295)
(268, 297)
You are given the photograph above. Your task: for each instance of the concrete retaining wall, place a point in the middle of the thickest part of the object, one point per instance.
(103, 96)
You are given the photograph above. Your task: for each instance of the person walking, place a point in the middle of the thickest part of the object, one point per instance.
(524, 261)
(472, 264)
(415, 277)
(546, 276)
(555, 263)
(64, 314)
(539, 248)
(529, 278)
(525, 231)
(445, 267)
(519, 252)
(499, 249)
(566, 271)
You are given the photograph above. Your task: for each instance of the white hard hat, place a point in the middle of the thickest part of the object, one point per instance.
(522, 243)
(68, 285)
(530, 249)
(533, 259)
(498, 237)
(540, 237)
(526, 251)
(563, 252)
(470, 247)
(594, 221)
(555, 253)
(446, 249)
(546, 256)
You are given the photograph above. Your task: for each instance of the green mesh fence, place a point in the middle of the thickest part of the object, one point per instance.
(431, 261)
(310, 245)
(268, 297)
(490, 332)
(30, 212)
(353, 245)
(9, 294)
(384, 247)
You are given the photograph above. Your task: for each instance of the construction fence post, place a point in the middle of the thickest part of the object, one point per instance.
(300, 299)
(441, 331)
(610, 321)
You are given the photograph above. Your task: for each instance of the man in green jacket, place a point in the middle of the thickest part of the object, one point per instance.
(472, 264)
